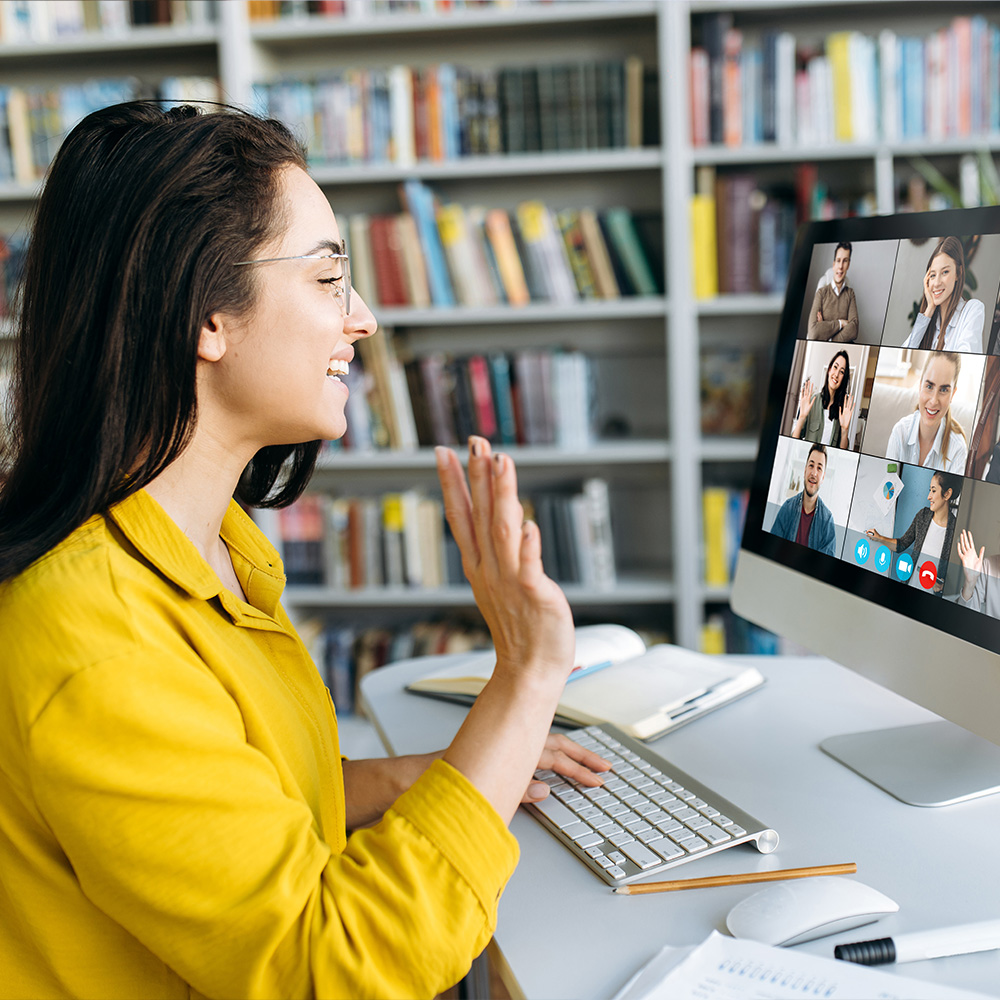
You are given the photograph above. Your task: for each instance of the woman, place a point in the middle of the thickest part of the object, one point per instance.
(946, 321)
(931, 530)
(174, 811)
(825, 417)
(931, 436)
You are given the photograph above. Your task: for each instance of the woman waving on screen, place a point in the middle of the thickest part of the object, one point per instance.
(824, 416)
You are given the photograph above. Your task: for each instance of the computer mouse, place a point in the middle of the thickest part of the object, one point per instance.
(802, 909)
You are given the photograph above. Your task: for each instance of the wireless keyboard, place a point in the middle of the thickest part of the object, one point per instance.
(648, 815)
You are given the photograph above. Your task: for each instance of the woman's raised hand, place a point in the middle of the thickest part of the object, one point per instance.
(929, 308)
(972, 562)
(846, 412)
(805, 396)
(527, 613)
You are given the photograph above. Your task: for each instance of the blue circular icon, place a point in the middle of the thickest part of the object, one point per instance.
(861, 551)
(904, 567)
(882, 557)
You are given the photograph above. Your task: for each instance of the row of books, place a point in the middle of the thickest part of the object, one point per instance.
(344, 654)
(13, 251)
(26, 21)
(401, 539)
(529, 397)
(730, 390)
(446, 254)
(723, 512)
(853, 88)
(34, 120)
(724, 631)
(741, 234)
(402, 114)
(269, 10)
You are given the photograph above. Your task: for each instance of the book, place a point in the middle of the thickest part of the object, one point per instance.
(645, 691)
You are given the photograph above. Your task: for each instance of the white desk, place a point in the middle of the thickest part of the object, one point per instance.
(563, 934)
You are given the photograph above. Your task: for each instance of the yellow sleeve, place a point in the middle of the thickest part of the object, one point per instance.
(181, 831)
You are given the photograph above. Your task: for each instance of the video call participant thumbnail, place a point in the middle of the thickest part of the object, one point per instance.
(930, 532)
(930, 435)
(824, 415)
(946, 321)
(978, 584)
(834, 313)
(804, 518)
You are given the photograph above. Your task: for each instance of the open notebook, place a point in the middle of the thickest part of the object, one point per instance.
(617, 679)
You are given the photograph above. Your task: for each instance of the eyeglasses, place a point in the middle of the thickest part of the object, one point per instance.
(341, 291)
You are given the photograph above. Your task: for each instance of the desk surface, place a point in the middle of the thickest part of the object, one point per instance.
(562, 933)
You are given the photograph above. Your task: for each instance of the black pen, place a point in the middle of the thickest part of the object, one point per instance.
(960, 940)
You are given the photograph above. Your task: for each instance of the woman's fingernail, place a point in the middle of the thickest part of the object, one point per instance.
(538, 790)
(441, 454)
(499, 463)
(474, 446)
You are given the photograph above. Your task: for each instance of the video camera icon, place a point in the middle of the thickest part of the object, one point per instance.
(904, 567)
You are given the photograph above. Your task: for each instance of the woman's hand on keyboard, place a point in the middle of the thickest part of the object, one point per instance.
(528, 616)
(569, 759)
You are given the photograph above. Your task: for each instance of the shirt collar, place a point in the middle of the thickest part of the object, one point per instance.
(913, 436)
(159, 539)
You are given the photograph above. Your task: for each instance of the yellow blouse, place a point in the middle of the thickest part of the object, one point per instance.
(172, 796)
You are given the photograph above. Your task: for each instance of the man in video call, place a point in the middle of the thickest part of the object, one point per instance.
(804, 518)
(834, 313)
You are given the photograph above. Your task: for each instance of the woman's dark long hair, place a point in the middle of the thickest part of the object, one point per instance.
(142, 214)
(832, 404)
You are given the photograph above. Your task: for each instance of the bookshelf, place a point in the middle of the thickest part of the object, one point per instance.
(648, 347)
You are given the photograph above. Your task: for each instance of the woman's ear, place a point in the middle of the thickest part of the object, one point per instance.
(212, 339)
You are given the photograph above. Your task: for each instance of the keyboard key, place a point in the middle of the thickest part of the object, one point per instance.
(645, 808)
(668, 826)
(644, 782)
(591, 811)
(650, 836)
(694, 844)
(721, 820)
(588, 839)
(604, 861)
(640, 855)
(684, 814)
(594, 852)
(575, 830)
(709, 812)
(714, 835)
(617, 809)
(736, 831)
(555, 811)
(668, 850)
(633, 798)
(694, 824)
(600, 821)
(621, 839)
(615, 872)
(616, 856)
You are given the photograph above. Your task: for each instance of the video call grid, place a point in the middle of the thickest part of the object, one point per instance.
(870, 459)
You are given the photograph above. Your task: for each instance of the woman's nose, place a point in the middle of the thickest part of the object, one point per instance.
(360, 322)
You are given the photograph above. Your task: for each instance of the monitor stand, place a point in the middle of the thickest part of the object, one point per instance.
(930, 764)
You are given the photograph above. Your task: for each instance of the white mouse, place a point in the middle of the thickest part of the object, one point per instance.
(802, 909)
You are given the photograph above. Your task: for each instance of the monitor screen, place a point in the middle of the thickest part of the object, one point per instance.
(878, 474)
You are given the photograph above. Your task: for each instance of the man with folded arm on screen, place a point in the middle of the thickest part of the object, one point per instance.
(804, 518)
(834, 314)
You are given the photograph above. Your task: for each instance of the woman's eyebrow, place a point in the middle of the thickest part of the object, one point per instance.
(333, 246)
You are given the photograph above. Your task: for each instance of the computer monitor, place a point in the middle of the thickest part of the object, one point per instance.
(873, 526)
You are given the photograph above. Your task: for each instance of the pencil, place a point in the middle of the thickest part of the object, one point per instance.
(706, 883)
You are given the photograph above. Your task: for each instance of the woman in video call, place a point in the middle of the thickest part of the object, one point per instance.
(930, 436)
(824, 417)
(946, 321)
(981, 582)
(931, 530)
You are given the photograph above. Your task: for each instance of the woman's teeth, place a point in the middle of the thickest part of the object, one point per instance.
(338, 368)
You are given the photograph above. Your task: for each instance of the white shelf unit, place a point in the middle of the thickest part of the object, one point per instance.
(664, 471)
